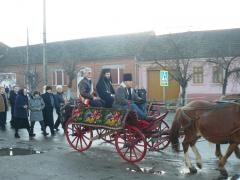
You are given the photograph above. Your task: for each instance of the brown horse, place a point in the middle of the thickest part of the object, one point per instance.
(219, 123)
(228, 98)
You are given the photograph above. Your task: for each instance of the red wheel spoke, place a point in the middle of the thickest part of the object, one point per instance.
(130, 154)
(74, 139)
(86, 137)
(77, 142)
(134, 152)
(126, 151)
(81, 143)
(138, 149)
(84, 141)
(142, 145)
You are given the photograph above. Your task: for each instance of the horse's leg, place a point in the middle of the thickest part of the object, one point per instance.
(223, 160)
(237, 152)
(197, 155)
(218, 151)
(187, 160)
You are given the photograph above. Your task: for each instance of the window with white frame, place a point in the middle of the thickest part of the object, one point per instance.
(116, 73)
(217, 74)
(59, 77)
(198, 74)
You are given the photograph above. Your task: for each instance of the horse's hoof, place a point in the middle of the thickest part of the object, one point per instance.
(199, 165)
(193, 170)
(224, 172)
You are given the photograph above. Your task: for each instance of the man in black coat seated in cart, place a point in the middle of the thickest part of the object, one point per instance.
(105, 89)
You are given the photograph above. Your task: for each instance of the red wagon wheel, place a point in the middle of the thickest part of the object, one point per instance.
(131, 144)
(79, 137)
(160, 138)
(108, 138)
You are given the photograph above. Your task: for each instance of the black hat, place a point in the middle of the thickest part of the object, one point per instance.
(127, 77)
(48, 88)
(106, 70)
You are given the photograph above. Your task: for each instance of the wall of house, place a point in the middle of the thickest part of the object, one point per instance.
(128, 65)
(205, 91)
(149, 78)
(209, 90)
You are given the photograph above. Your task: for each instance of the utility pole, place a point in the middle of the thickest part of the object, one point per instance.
(45, 62)
(27, 63)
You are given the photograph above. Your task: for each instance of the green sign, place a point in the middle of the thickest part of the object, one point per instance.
(163, 78)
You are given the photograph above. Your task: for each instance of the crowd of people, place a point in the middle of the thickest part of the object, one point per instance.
(29, 108)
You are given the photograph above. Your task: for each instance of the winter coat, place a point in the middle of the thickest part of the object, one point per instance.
(12, 98)
(19, 110)
(36, 105)
(48, 109)
(58, 97)
(105, 91)
(121, 96)
(85, 88)
(3, 103)
(49, 105)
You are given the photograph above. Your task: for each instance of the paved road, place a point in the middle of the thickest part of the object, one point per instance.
(101, 162)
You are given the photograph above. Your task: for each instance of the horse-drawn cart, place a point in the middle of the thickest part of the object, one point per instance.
(132, 137)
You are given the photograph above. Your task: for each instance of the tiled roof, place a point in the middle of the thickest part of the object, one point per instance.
(198, 44)
(108, 47)
(145, 46)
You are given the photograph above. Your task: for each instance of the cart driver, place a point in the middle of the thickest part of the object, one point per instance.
(123, 98)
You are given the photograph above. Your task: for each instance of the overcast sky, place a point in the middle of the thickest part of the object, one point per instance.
(75, 19)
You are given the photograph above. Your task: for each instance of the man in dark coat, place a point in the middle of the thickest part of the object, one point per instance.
(105, 89)
(124, 96)
(21, 113)
(59, 101)
(86, 90)
(48, 99)
(12, 99)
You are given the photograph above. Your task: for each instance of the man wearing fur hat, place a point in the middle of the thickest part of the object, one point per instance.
(124, 97)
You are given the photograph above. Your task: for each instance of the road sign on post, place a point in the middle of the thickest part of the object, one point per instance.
(164, 78)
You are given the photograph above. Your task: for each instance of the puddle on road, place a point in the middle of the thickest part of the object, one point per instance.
(18, 152)
(145, 170)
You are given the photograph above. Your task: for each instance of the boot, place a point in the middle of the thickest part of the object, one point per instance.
(16, 134)
(45, 133)
(43, 128)
(30, 132)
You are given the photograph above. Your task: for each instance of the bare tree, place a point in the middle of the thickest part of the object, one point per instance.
(71, 70)
(178, 70)
(33, 78)
(230, 66)
(178, 65)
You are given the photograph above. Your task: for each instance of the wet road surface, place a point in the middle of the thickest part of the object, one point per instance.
(58, 160)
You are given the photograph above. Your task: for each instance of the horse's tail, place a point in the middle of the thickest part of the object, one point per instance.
(174, 133)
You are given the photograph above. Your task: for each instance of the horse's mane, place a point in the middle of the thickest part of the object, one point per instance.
(206, 105)
(231, 97)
